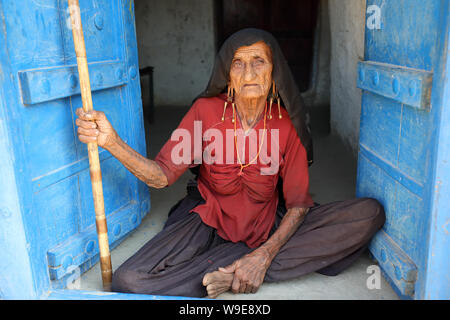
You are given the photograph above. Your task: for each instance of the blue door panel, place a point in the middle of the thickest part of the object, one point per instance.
(397, 133)
(374, 182)
(414, 143)
(409, 33)
(117, 190)
(404, 207)
(408, 215)
(380, 126)
(60, 220)
(26, 46)
(41, 93)
(54, 220)
(102, 30)
(53, 44)
(400, 111)
(55, 148)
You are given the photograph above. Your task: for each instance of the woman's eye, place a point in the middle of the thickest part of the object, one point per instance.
(258, 62)
(237, 64)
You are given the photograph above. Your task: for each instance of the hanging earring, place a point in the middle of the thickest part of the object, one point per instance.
(234, 113)
(271, 100)
(279, 106)
(277, 96)
(229, 100)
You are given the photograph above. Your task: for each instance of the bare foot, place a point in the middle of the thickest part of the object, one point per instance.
(217, 282)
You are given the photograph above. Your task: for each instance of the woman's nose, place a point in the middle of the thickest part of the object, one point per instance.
(249, 72)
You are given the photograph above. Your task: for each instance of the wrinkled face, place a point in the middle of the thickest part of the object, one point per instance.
(251, 71)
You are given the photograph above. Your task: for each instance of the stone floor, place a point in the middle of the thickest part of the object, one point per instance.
(332, 178)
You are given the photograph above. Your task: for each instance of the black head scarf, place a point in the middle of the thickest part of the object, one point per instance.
(281, 74)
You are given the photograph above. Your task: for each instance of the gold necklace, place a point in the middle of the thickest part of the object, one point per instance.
(260, 145)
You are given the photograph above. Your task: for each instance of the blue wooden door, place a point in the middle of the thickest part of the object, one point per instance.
(42, 94)
(403, 76)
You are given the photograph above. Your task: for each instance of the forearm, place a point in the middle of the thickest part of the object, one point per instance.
(144, 169)
(289, 224)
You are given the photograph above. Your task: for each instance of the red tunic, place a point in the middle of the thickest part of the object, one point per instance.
(241, 207)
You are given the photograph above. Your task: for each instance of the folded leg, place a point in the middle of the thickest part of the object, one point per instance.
(174, 262)
(331, 237)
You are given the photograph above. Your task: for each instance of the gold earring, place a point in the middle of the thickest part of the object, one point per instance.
(229, 100)
(279, 106)
(277, 96)
(234, 114)
(271, 100)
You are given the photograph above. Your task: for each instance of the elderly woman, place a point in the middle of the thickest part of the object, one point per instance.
(248, 219)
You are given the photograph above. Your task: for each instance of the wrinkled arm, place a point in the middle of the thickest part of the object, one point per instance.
(93, 126)
(289, 224)
(144, 169)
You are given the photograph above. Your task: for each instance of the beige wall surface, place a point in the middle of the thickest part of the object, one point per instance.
(347, 25)
(176, 37)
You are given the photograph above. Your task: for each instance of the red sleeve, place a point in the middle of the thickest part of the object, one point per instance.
(295, 173)
(177, 154)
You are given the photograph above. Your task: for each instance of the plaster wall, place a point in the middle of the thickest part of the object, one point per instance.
(347, 25)
(177, 38)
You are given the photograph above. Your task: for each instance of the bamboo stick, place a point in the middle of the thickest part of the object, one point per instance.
(94, 161)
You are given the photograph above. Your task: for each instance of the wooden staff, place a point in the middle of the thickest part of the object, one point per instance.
(94, 161)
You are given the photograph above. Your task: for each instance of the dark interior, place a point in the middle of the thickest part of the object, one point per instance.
(292, 22)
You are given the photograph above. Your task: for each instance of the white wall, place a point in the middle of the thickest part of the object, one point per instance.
(176, 37)
(347, 25)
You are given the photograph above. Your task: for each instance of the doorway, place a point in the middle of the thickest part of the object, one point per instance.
(179, 40)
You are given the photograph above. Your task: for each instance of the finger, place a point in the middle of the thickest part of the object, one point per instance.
(228, 269)
(96, 115)
(255, 289)
(87, 139)
(249, 287)
(90, 115)
(82, 114)
(243, 287)
(79, 112)
(205, 280)
(88, 132)
(235, 285)
(85, 124)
